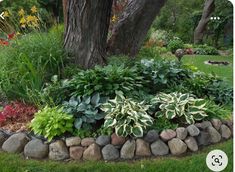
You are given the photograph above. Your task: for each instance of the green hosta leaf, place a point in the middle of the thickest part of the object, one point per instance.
(95, 99)
(137, 131)
(183, 97)
(170, 114)
(170, 107)
(189, 119)
(109, 122)
(78, 123)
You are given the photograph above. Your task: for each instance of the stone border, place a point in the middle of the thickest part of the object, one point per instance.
(110, 148)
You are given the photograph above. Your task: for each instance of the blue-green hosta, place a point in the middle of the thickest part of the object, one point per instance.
(126, 116)
(183, 106)
(86, 109)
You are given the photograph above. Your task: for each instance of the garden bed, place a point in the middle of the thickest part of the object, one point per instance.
(111, 148)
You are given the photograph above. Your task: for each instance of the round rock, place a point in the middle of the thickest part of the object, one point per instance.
(73, 141)
(36, 149)
(3, 138)
(191, 143)
(159, 148)
(225, 132)
(193, 130)
(216, 123)
(109, 152)
(87, 141)
(76, 152)
(203, 125)
(151, 136)
(117, 140)
(58, 151)
(167, 134)
(92, 153)
(142, 148)
(177, 146)
(128, 149)
(203, 138)
(15, 143)
(103, 140)
(215, 137)
(181, 133)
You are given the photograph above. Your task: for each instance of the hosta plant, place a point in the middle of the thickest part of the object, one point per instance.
(126, 116)
(180, 106)
(86, 109)
(51, 122)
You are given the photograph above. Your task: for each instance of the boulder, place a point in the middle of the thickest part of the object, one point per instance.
(109, 152)
(203, 125)
(177, 146)
(58, 151)
(181, 133)
(167, 134)
(36, 149)
(3, 138)
(225, 132)
(193, 130)
(103, 140)
(15, 143)
(92, 153)
(142, 148)
(203, 138)
(73, 141)
(159, 148)
(76, 152)
(117, 140)
(216, 123)
(87, 141)
(215, 137)
(151, 136)
(128, 149)
(191, 143)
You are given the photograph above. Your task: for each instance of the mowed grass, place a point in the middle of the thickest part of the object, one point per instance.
(189, 163)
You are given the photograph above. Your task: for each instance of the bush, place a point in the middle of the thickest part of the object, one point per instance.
(51, 122)
(205, 50)
(29, 62)
(126, 116)
(175, 44)
(148, 53)
(86, 110)
(160, 37)
(183, 107)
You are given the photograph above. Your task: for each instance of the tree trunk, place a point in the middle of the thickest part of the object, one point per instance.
(87, 30)
(208, 9)
(130, 31)
(65, 11)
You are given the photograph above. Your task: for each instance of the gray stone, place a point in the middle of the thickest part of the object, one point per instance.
(159, 148)
(36, 149)
(167, 134)
(203, 125)
(142, 148)
(128, 149)
(193, 130)
(216, 123)
(76, 152)
(191, 143)
(15, 143)
(103, 140)
(3, 138)
(87, 141)
(215, 137)
(151, 136)
(181, 133)
(58, 151)
(73, 141)
(177, 146)
(203, 138)
(225, 132)
(92, 153)
(109, 152)
(117, 140)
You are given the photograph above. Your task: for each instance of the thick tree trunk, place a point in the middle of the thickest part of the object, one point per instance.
(65, 11)
(208, 9)
(87, 30)
(130, 31)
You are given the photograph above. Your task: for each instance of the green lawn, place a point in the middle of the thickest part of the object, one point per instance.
(189, 163)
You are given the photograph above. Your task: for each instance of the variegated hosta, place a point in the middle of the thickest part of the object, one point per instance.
(126, 116)
(178, 105)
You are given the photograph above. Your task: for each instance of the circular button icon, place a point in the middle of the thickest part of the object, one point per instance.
(217, 160)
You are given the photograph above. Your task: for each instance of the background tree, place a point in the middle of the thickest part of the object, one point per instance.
(130, 31)
(208, 9)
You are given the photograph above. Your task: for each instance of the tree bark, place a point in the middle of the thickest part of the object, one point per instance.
(87, 30)
(208, 9)
(130, 31)
(65, 11)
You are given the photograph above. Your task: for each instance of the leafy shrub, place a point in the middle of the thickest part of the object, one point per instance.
(51, 122)
(126, 116)
(180, 106)
(206, 50)
(162, 123)
(106, 80)
(29, 62)
(85, 109)
(175, 44)
(160, 37)
(162, 74)
(148, 53)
